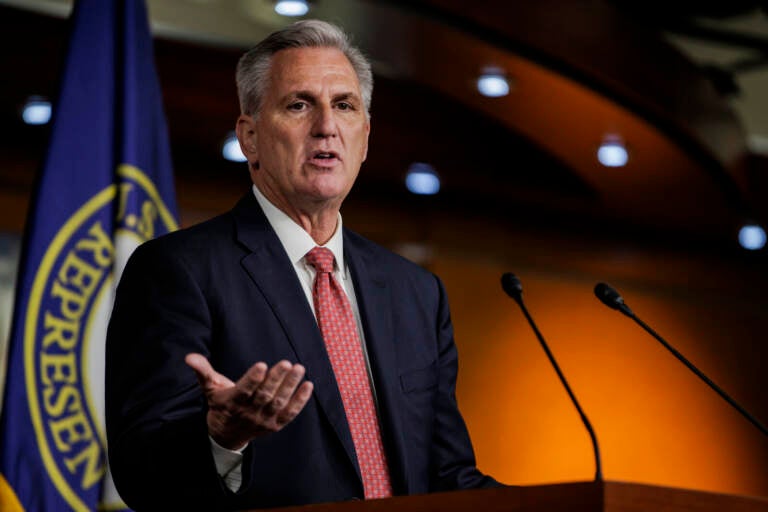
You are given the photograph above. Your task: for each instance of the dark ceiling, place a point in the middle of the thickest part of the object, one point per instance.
(580, 70)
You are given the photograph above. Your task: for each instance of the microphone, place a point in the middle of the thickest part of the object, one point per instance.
(611, 298)
(514, 288)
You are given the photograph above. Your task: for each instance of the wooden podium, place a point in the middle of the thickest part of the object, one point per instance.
(571, 497)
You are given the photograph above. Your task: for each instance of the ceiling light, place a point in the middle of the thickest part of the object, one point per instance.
(612, 153)
(422, 179)
(493, 83)
(758, 144)
(752, 237)
(292, 7)
(36, 111)
(231, 149)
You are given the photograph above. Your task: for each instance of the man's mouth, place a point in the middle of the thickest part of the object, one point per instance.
(325, 159)
(325, 155)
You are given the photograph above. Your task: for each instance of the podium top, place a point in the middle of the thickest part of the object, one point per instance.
(570, 497)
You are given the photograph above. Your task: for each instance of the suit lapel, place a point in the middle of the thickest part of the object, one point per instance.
(375, 304)
(274, 275)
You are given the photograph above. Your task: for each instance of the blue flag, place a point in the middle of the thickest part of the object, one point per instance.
(106, 186)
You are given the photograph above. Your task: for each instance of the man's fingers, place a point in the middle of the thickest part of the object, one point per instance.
(286, 390)
(209, 379)
(295, 404)
(250, 381)
(265, 392)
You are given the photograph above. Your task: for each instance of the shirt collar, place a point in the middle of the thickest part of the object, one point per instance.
(297, 242)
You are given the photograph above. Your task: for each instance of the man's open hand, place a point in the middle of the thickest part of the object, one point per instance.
(263, 400)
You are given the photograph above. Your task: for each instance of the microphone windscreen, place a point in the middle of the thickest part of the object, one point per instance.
(512, 285)
(608, 295)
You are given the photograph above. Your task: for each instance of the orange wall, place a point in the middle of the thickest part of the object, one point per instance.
(656, 422)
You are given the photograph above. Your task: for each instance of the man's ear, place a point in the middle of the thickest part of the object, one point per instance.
(367, 134)
(246, 135)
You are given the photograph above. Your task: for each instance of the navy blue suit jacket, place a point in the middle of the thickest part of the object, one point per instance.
(226, 289)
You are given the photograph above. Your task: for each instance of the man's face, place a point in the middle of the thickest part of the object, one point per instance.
(311, 134)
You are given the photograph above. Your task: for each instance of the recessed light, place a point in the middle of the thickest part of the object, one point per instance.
(231, 149)
(612, 153)
(752, 237)
(292, 7)
(493, 83)
(422, 179)
(36, 111)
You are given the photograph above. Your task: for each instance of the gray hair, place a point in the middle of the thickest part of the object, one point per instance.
(252, 74)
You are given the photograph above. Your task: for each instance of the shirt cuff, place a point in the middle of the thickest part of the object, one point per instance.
(229, 464)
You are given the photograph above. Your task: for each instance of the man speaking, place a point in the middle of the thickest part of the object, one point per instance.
(269, 356)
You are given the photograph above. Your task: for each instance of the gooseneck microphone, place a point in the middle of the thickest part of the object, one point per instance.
(611, 298)
(514, 288)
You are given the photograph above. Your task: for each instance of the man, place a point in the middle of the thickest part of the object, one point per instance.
(216, 327)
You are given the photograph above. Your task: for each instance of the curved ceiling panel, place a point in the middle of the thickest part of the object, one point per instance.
(580, 72)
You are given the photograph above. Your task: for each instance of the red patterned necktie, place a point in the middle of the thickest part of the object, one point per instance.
(342, 342)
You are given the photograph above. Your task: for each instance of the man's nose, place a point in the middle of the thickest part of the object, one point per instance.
(324, 123)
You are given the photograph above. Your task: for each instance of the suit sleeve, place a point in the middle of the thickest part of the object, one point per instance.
(453, 457)
(159, 450)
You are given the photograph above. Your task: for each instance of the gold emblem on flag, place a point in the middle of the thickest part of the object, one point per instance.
(66, 322)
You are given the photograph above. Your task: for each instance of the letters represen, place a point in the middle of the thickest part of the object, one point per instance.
(81, 271)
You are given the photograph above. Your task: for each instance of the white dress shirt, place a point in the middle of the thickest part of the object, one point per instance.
(297, 243)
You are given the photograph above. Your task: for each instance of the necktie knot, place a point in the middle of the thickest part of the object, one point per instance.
(321, 258)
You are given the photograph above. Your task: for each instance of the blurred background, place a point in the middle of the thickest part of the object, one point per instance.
(568, 141)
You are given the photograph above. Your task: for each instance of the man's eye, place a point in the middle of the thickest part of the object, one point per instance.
(297, 106)
(343, 105)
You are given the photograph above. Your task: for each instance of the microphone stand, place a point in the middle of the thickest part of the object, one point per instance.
(512, 286)
(695, 370)
(611, 298)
